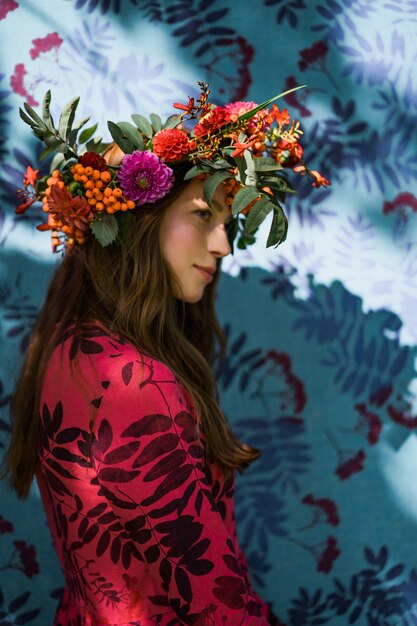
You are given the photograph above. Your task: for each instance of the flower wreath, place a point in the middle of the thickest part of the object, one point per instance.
(245, 146)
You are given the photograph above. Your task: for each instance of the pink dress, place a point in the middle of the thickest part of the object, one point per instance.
(144, 529)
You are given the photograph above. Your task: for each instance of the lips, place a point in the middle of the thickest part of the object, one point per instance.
(206, 272)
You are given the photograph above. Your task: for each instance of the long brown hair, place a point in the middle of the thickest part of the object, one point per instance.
(127, 288)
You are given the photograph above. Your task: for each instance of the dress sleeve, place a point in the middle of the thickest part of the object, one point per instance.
(148, 456)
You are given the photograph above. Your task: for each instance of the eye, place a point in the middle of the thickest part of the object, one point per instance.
(204, 214)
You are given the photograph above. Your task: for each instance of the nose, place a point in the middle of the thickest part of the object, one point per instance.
(218, 243)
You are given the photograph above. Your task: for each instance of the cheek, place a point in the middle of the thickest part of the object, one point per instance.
(179, 241)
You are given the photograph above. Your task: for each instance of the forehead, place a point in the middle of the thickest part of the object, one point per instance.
(193, 194)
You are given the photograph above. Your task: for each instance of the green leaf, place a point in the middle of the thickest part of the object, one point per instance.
(156, 122)
(143, 125)
(87, 133)
(195, 171)
(279, 228)
(212, 183)
(244, 197)
(26, 118)
(46, 152)
(172, 121)
(257, 214)
(251, 178)
(104, 228)
(47, 117)
(57, 161)
(220, 164)
(34, 115)
(63, 147)
(266, 164)
(67, 118)
(241, 166)
(249, 114)
(120, 138)
(232, 228)
(131, 133)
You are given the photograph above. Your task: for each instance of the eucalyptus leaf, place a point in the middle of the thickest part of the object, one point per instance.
(46, 152)
(220, 164)
(34, 115)
(195, 171)
(257, 214)
(143, 125)
(241, 166)
(232, 228)
(156, 122)
(244, 196)
(67, 118)
(26, 118)
(63, 147)
(131, 133)
(47, 117)
(279, 227)
(212, 183)
(267, 164)
(104, 228)
(249, 114)
(87, 133)
(251, 178)
(119, 137)
(172, 121)
(57, 161)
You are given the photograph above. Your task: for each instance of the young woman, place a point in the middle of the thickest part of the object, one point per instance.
(116, 410)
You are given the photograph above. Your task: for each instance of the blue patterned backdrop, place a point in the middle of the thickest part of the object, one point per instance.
(322, 331)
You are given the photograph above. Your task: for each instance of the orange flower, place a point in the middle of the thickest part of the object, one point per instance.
(30, 176)
(171, 144)
(280, 117)
(319, 179)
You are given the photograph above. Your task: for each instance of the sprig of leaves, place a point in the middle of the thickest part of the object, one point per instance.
(62, 140)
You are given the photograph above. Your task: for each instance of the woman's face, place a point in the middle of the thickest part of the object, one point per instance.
(192, 239)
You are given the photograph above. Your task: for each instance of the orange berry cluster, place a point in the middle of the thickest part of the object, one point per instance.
(98, 191)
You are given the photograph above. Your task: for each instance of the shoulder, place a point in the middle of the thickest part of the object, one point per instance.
(95, 352)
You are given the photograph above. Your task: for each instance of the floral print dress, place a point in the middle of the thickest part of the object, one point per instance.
(144, 529)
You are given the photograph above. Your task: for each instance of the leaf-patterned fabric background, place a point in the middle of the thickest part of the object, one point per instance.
(322, 332)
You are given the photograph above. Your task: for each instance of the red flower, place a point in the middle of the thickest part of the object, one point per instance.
(241, 147)
(6, 6)
(310, 55)
(212, 121)
(27, 556)
(18, 86)
(5, 526)
(351, 466)
(44, 44)
(171, 144)
(401, 202)
(323, 506)
(328, 556)
(94, 160)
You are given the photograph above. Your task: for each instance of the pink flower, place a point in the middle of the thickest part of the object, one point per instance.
(6, 6)
(352, 465)
(144, 177)
(18, 86)
(44, 44)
